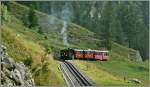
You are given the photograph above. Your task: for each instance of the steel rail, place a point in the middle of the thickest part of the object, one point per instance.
(74, 74)
(66, 74)
(79, 77)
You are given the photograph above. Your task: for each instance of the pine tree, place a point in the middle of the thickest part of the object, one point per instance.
(105, 25)
(117, 33)
(33, 19)
(5, 15)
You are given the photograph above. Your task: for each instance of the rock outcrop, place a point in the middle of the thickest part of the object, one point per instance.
(135, 80)
(14, 73)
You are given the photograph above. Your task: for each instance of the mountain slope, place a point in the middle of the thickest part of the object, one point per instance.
(120, 17)
(37, 50)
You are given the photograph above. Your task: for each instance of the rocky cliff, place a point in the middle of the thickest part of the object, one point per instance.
(14, 73)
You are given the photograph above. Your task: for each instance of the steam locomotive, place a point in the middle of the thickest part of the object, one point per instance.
(69, 54)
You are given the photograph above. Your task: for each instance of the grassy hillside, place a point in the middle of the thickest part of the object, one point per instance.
(118, 70)
(23, 49)
(27, 45)
(114, 73)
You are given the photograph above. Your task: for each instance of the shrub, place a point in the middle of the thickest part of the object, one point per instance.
(28, 61)
(33, 20)
(40, 31)
(5, 14)
(48, 49)
(45, 67)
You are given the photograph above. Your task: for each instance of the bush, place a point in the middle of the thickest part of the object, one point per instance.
(40, 31)
(48, 49)
(45, 67)
(33, 19)
(25, 20)
(28, 61)
(5, 14)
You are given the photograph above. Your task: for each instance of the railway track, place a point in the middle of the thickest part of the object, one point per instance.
(73, 75)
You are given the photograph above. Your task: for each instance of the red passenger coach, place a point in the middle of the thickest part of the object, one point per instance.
(105, 55)
(88, 54)
(98, 55)
(78, 54)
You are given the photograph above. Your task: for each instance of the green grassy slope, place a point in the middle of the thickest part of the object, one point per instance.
(24, 43)
(21, 48)
(118, 70)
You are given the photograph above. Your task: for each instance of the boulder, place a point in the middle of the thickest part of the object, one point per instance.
(9, 63)
(135, 80)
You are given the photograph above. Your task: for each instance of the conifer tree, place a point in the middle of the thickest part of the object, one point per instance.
(33, 19)
(105, 25)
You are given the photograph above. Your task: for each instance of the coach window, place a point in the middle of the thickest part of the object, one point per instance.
(100, 53)
(106, 54)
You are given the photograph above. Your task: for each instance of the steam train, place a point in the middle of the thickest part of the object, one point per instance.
(69, 54)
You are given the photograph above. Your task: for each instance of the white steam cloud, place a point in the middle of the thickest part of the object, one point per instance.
(64, 33)
(66, 17)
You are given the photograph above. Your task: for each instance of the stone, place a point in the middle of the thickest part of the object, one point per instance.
(9, 63)
(14, 73)
(135, 80)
